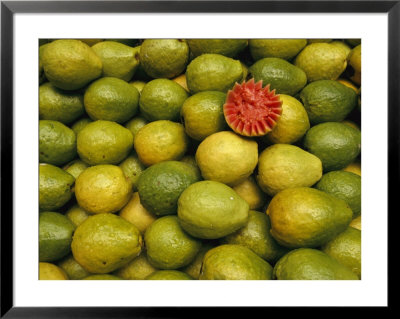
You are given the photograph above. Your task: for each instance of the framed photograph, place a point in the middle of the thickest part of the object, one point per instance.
(343, 26)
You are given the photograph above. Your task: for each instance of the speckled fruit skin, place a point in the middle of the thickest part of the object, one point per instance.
(119, 60)
(285, 49)
(335, 144)
(105, 242)
(321, 61)
(306, 217)
(164, 58)
(102, 277)
(168, 246)
(211, 210)
(346, 249)
(49, 271)
(161, 184)
(104, 142)
(310, 264)
(344, 185)
(168, 275)
(256, 236)
(55, 236)
(102, 189)
(55, 187)
(111, 99)
(57, 143)
(159, 141)
(328, 101)
(283, 166)
(227, 47)
(213, 72)
(202, 114)
(251, 110)
(227, 157)
(282, 76)
(162, 99)
(234, 262)
(138, 269)
(59, 105)
(70, 64)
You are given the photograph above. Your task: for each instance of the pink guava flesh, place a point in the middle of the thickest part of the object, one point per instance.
(251, 110)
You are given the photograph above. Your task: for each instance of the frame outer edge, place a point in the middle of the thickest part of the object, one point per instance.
(6, 160)
(393, 117)
(224, 6)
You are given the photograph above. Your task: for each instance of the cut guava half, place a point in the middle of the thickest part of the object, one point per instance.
(251, 110)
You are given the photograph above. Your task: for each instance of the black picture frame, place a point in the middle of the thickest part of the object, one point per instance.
(9, 8)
